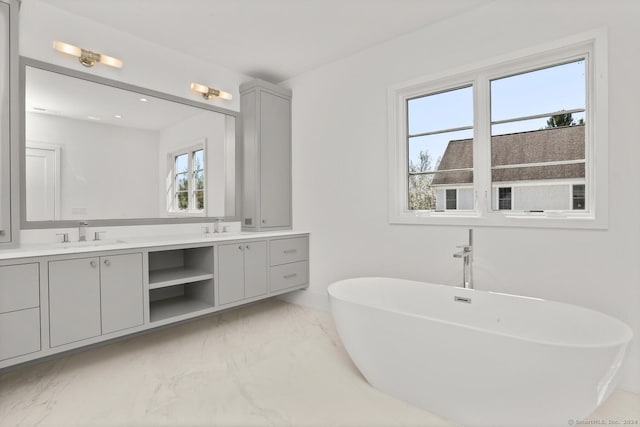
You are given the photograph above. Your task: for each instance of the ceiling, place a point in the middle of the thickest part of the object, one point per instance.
(64, 96)
(270, 39)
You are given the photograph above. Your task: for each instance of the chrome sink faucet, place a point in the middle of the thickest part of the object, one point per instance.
(82, 231)
(467, 259)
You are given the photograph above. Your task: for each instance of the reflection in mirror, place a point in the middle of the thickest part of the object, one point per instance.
(98, 152)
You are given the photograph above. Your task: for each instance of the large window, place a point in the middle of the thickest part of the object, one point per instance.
(188, 181)
(503, 144)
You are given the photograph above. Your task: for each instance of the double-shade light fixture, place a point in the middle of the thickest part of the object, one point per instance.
(209, 92)
(86, 57)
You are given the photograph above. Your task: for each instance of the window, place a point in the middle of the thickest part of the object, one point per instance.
(504, 198)
(452, 199)
(188, 187)
(537, 133)
(462, 146)
(440, 146)
(578, 199)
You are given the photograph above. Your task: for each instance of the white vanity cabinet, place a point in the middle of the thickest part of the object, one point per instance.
(242, 271)
(266, 124)
(19, 310)
(289, 266)
(56, 299)
(91, 296)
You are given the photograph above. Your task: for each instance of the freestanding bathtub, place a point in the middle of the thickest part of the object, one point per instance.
(479, 358)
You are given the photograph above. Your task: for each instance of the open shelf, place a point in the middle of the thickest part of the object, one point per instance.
(176, 306)
(176, 276)
(180, 282)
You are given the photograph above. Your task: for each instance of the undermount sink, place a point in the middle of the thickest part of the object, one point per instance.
(90, 243)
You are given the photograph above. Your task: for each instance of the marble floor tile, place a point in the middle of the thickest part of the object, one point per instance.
(267, 364)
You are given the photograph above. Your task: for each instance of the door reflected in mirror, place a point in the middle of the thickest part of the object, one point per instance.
(95, 151)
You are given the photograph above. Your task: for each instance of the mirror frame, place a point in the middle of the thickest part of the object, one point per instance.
(29, 62)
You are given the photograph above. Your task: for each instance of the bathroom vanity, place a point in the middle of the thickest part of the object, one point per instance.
(59, 297)
(193, 168)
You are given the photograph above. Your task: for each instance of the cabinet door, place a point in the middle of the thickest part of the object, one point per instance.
(275, 161)
(74, 300)
(121, 292)
(255, 269)
(230, 273)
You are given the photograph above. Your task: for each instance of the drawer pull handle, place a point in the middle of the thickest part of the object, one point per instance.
(290, 251)
(289, 276)
(107, 262)
(93, 264)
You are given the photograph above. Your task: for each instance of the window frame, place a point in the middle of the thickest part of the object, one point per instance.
(591, 46)
(171, 159)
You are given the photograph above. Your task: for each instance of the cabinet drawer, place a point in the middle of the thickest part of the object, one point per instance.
(19, 333)
(19, 287)
(289, 275)
(283, 251)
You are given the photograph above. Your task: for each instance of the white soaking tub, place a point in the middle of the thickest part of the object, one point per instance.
(479, 358)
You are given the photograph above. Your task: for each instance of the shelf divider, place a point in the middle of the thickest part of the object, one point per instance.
(176, 276)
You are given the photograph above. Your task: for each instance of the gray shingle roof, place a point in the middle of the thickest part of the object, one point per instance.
(539, 146)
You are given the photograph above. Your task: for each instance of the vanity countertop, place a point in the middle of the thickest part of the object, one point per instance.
(135, 242)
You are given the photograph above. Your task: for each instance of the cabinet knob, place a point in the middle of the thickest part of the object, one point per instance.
(247, 247)
(264, 221)
(107, 262)
(93, 264)
(240, 247)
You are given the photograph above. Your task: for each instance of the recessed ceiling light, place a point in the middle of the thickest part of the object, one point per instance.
(93, 118)
(143, 99)
(118, 116)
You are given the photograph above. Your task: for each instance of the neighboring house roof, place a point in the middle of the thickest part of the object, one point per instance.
(539, 146)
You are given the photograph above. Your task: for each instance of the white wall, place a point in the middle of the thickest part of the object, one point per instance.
(340, 158)
(210, 127)
(108, 171)
(145, 64)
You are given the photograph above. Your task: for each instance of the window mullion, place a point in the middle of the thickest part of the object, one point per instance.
(482, 145)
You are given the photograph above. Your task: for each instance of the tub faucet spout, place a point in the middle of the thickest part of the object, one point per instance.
(467, 257)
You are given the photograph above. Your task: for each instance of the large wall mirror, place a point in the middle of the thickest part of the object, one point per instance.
(114, 154)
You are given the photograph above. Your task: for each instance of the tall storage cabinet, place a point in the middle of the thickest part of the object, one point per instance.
(266, 125)
(9, 177)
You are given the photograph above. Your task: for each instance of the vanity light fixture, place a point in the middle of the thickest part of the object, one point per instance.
(86, 57)
(209, 92)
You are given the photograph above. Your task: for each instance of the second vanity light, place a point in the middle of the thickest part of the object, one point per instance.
(209, 92)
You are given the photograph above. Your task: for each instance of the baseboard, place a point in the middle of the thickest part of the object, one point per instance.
(308, 298)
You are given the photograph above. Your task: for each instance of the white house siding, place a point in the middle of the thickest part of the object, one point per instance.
(545, 197)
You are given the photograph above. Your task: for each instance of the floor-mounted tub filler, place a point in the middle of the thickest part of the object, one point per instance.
(479, 358)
